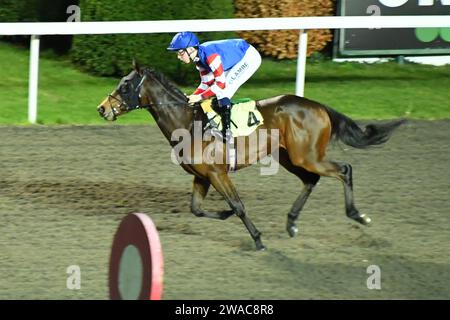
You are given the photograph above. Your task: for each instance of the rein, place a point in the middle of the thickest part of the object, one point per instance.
(146, 106)
(125, 106)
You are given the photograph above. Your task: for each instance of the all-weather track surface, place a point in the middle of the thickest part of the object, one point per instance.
(65, 189)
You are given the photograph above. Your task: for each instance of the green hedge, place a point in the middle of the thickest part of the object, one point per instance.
(38, 10)
(18, 11)
(111, 55)
(34, 10)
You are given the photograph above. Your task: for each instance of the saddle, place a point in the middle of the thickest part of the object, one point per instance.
(245, 117)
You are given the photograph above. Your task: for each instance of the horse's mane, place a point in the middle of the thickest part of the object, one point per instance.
(166, 82)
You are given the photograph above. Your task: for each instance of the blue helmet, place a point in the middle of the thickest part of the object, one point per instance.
(183, 40)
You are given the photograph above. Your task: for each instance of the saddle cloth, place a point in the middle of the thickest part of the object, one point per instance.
(245, 117)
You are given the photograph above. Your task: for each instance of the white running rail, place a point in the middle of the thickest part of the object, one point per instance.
(207, 25)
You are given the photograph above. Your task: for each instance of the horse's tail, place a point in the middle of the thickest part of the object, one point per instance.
(345, 129)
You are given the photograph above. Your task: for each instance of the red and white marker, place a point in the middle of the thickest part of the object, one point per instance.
(136, 265)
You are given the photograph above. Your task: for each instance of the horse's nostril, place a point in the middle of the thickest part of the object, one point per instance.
(101, 110)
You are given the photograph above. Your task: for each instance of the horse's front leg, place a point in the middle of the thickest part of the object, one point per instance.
(225, 187)
(199, 191)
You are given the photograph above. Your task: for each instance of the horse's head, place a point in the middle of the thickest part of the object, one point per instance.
(125, 98)
(142, 88)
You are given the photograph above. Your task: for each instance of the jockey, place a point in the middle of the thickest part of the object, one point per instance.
(224, 65)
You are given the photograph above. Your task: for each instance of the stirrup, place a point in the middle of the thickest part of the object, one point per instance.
(227, 136)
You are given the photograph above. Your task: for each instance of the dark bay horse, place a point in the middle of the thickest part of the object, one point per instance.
(305, 128)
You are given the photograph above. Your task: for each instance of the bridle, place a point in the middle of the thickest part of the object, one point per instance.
(129, 104)
(132, 101)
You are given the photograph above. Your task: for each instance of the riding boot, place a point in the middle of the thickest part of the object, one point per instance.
(225, 108)
(226, 119)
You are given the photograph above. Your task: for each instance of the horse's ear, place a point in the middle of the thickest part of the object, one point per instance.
(136, 66)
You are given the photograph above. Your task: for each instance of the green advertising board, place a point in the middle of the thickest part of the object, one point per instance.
(379, 42)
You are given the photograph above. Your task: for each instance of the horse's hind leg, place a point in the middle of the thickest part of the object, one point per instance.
(309, 153)
(343, 172)
(351, 211)
(225, 187)
(309, 180)
(199, 191)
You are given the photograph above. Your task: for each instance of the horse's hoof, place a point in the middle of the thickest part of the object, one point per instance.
(362, 219)
(293, 231)
(366, 220)
(261, 247)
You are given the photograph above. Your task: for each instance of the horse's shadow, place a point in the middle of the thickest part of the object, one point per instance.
(400, 276)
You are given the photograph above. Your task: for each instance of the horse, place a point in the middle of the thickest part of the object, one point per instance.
(305, 128)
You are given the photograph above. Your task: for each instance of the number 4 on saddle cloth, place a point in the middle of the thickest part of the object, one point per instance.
(245, 117)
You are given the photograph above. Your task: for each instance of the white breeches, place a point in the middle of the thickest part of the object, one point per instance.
(241, 72)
